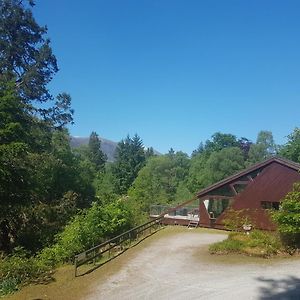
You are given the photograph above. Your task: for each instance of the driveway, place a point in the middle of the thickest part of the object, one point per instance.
(178, 266)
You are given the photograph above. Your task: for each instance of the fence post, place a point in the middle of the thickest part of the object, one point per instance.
(94, 254)
(75, 266)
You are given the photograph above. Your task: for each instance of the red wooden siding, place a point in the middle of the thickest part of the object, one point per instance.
(271, 185)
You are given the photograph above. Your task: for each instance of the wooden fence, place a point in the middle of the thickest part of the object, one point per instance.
(119, 243)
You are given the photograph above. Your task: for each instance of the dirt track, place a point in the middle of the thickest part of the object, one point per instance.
(178, 267)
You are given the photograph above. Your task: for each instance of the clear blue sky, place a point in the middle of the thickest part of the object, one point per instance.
(174, 71)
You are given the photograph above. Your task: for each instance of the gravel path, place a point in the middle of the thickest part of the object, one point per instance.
(178, 267)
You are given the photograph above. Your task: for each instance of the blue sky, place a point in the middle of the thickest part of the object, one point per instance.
(175, 72)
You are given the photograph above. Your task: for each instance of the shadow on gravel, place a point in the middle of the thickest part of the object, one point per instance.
(283, 289)
(98, 265)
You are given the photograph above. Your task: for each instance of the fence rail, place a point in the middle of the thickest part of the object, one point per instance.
(116, 242)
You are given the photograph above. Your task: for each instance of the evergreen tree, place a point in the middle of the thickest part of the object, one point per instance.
(149, 153)
(27, 58)
(39, 180)
(95, 154)
(130, 158)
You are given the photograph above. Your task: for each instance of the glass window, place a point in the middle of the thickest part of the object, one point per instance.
(270, 205)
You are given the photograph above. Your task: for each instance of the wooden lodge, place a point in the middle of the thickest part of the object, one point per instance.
(254, 190)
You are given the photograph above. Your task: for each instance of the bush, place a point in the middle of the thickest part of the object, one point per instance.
(288, 218)
(93, 226)
(17, 269)
(89, 228)
(257, 243)
(229, 245)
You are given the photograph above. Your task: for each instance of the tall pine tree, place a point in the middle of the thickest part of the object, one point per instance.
(95, 154)
(27, 58)
(130, 158)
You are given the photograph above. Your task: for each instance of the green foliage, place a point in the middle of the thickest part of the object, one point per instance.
(18, 269)
(291, 150)
(229, 245)
(88, 229)
(105, 184)
(224, 163)
(8, 286)
(182, 192)
(208, 169)
(264, 148)
(221, 141)
(257, 243)
(288, 218)
(159, 180)
(37, 167)
(235, 219)
(130, 158)
(95, 154)
(27, 58)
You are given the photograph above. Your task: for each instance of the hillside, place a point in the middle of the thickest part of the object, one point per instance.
(107, 146)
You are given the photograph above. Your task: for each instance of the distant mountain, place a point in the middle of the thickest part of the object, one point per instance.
(107, 146)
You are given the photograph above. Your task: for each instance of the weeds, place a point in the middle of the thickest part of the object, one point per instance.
(258, 243)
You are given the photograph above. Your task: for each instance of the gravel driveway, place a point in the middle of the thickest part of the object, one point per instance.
(177, 266)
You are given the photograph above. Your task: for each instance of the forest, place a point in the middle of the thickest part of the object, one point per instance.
(56, 201)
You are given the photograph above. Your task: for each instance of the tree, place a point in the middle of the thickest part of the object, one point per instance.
(224, 163)
(195, 178)
(149, 153)
(14, 168)
(38, 172)
(291, 150)
(244, 145)
(130, 158)
(27, 58)
(208, 169)
(264, 147)
(199, 150)
(95, 154)
(158, 181)
(221, 141)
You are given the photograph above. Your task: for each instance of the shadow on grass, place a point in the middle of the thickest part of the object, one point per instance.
(98, 265)
(283, 289)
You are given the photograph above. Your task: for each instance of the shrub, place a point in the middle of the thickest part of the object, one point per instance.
(288, 218)
(258, 243)
(229, 245)
(90, 227)
(93, 226)
(235, 219)
(18, 268)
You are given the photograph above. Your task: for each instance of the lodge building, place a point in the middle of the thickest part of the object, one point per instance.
(254, 191)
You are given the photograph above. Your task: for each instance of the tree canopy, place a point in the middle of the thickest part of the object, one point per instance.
(26, 57)
(130, 158)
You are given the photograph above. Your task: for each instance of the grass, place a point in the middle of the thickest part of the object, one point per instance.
(257, 243)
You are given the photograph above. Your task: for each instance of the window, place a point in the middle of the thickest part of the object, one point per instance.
(270, 205)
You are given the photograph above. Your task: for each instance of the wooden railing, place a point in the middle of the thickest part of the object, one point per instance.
(120, 243)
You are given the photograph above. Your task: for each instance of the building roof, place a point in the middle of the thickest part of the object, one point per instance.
(285, 162)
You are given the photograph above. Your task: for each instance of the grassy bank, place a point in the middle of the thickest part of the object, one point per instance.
(257, 243)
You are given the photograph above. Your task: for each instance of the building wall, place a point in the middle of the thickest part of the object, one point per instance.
(271, 185)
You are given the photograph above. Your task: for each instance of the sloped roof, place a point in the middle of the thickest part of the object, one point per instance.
(285, 162)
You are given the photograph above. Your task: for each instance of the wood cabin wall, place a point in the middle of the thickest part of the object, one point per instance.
(271, 185)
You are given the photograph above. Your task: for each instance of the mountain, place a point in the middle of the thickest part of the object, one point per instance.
(107, 146)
